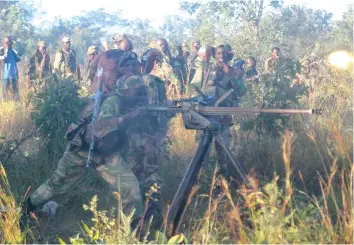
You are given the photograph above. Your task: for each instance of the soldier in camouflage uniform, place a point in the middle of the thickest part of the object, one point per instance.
(202, 68)
(147, 142)
(115, 130)
(65, 63)
(39, 67)
(92, 52)
(272, 63)
(251, 71)
(215, 79)
(163, 47)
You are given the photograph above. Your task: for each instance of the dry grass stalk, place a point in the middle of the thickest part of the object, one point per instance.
(288, 140)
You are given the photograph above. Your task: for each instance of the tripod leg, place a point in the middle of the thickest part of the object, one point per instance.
(187, 183)
(232, 158)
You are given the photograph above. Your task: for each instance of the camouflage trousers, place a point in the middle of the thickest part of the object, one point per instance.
(143, 156)
(221, 156)
(112, 168)
(10, 89)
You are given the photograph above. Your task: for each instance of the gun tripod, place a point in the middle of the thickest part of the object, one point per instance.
(179, 202)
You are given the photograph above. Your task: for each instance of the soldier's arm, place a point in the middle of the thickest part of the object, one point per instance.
(111, 120)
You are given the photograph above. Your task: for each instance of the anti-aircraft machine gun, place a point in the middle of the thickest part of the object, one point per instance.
(198, 115)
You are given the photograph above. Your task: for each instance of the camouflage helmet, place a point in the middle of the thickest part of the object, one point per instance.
(128, 55)
(134, 82)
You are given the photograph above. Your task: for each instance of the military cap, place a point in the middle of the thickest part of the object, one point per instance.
(128, 55)
(119, 37)
(195, 41)
(92, 50)
(185, 47)
(41, 44)
(65, 39)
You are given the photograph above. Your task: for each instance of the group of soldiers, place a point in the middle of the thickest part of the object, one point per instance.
(128, 140)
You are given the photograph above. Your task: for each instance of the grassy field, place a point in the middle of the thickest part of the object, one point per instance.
(302, 188)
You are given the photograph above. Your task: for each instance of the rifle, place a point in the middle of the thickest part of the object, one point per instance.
(197, 115)
(96, 110)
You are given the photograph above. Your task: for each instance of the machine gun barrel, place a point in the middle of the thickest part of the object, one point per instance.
(224, 111)
(220, 111)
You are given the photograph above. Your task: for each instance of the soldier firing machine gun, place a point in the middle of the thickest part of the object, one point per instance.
(198, 115)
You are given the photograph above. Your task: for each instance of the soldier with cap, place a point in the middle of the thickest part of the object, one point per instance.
(8, 60)
(200, 75)
(114, 133)
(148, 138)
(122, 42)
(92, 52)
(65, 62)
(39, 67)
(216, 79)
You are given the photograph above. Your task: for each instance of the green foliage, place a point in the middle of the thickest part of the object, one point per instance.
(15, 20)
(107, 229)
(272, 92)
(56, 107)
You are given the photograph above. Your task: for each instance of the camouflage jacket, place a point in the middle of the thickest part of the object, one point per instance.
(38, 66)
(65, 64)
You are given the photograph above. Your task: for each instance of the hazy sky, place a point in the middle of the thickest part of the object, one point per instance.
(147, 9)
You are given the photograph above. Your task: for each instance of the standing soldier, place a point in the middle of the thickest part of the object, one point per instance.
(272, 64)
(216, 79)
(65, 63)
(251, 71)
(92, 52)
(9, 58)
(201, 74)
(145, 145)
(162, 46)
(39, 68)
